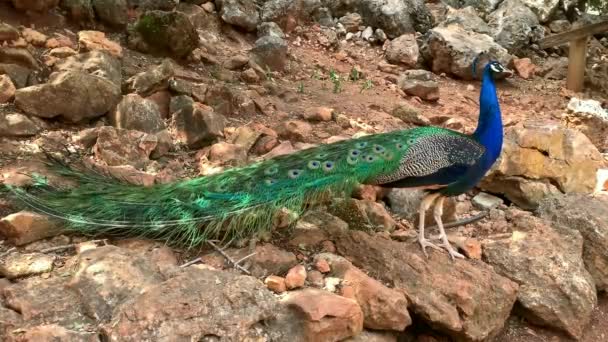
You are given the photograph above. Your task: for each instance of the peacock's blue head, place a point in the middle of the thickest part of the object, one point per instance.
(483, 63)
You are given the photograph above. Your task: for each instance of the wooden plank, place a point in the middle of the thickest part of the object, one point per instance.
(577, 56)
(575, 34)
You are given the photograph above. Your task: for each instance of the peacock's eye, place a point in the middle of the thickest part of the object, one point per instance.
(400, 146)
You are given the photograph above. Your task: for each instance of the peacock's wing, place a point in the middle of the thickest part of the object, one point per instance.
(437, 157)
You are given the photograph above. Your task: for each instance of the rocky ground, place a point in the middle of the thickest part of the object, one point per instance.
(154, 91)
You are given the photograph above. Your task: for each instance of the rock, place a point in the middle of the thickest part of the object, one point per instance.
(467, 18)
(62, 52)
(419, 83)
(162, 257)
(485, 201)
(322, 265)
(275, 283)
(374, 336)
(164, 5)
(588, 117)
(469, 300)
(52, 332)
(137, 113)
(226, 153)
(524, 67)
(239, 304)
(410, 115)
(295, 277)
(268, 260)
(591, 107)
(383, 308)
(294, 130)
(560, 25)
(270, 29)
(368, 34)
(8, 32)
(124, 147)
(311, 229)
(512, 24)
(363, 215)
(543, 9)
(111, 12)
(35, 6)
(586, 215)
(246, 137)
(167, 33)
(17, 265)
(34, 37)
(17, 125)
(320, 114)
(240, 13)
(250, 76)
(7, 89)
(394, 18)
(24, 227)
(540, 159)
(452, 50)
(195, 123)
(403, 50)
(554, 68)
(96, 63)
(154, 79)
(236, 62)
(483, 7)
(351, 22)
(324, 315)
(107, 276)
(96, 40)
(19, 56)
(88, 96)
(555, 289)
(270, 52)
(46, 301)
(19, 75)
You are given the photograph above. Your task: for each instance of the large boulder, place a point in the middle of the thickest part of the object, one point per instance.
(468, 18)
(394, 17)
(137, 113)
(544, 9)
(512, 24)
(539, 160)
(555, 289)
(240, 13)
(452, 50)
(166, 33)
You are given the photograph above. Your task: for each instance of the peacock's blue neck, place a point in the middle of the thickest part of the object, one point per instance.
(489, 130)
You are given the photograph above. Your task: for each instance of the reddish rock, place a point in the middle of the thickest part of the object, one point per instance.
(468, 299)
(524, 67)
(315, 278)
(10, 321)
(7, 89)
(136, 113)
(294, 130)
(383, 308)
(378, 336)
(325, 316)
(17, 265)
(275, 283)
(322, 265)
(195, 304)
(295, 277)
(226, 153)
(162, 256)
(320, 114)
(162, 98)
(363, 214)
(124, 147)
(328, 246)
(366, 192)
(34, 37)
(24, 227)
(268, 259)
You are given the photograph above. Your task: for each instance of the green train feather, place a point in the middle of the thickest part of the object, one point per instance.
(239, 201)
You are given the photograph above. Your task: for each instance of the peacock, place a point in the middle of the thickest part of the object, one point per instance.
(243, 201)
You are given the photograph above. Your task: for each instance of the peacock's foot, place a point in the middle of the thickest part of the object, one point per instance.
(451, 250)
(424, 243)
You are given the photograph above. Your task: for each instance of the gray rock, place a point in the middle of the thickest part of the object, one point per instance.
(403, 50)
(559, 26)
(588, 107)
(351, 22)
(241, 13)
(467, 18)
(380, 35)
(485, 201)
(419, 83)
(113, 12)
(195, 124)
(19, 56)
(555, 289)
(453, 49)
(269, 28)
(137, 113)
(393, 17)
(512, 25)
(17, 125)
(80, 11)
(589, 216)
(150, 81)
(167, 33)
(279, 10)
(75, 95)
(544, 10)
(17, 265)
(7, 89)
(8, 32)
(96, 62)
(270, 52)
(368, 34)
(324, 18)
(164, 5)
(483, 7)
(19, 75)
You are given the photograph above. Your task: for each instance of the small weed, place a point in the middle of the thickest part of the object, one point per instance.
(368, 84)
(301, 87)
(354, 75)
(269, 74)
(336, 80)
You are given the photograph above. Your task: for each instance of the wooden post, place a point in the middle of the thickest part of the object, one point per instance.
(577, 60)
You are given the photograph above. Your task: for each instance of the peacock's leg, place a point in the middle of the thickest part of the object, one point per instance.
(424, 206)
(437, 213)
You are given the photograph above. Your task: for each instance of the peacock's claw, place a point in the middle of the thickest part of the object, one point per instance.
(424, 243)
(452, 251)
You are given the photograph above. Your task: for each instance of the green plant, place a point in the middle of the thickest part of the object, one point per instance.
(368, 84)
(354, 75)
(336, 80)
(301, 87)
